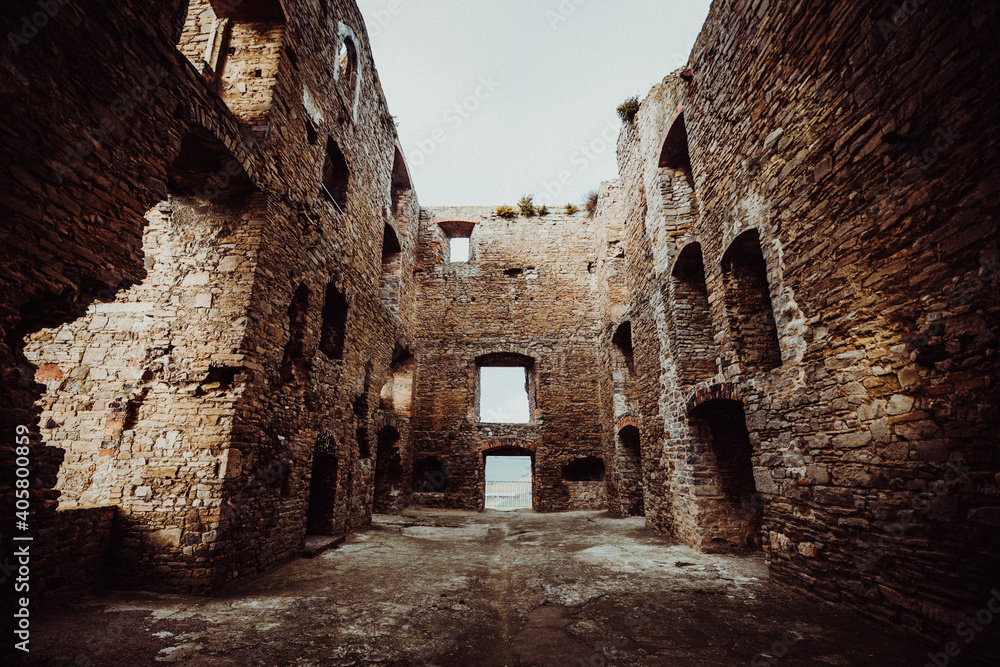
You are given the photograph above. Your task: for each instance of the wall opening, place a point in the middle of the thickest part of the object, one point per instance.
(586, 469)
(391, 278)
(695, 345)
(333, 333)
(622, 340)
(505, 389)
(459, 249)
(508, 481)
(748, 303)
(674, 155)
(238, 47)
(336, 177)
(389, 485)
(630, 482)
(396, 395)
(294, 364)
(430, 475)
(458, 240)
(323, 488)
(401, 187)
(347, 67)
(721, 424)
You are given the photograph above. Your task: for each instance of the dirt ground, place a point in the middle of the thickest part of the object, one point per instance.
(461, 588)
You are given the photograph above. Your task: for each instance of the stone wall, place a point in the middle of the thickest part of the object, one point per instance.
(529, 295)
(252, 324)
(74, 551)
(840, 252)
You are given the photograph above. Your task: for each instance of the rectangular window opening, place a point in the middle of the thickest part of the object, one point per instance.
(503, 395)
(459, 249)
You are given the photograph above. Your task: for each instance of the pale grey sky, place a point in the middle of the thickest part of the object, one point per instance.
(499, 99)
(508, 468)
(502, 395)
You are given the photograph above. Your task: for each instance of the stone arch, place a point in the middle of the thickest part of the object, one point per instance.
(389, 483)
(747, 298)
(691, 325)
(629, 469)
(349, 71)
(730, 514)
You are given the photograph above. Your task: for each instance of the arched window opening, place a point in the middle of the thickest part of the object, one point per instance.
(630, 484)
(430, 475)
(401, 188)
(336, 177)
(391, 278)
(397, 393)
(692, 321)
(721, 424)
(323, 487)
(622, 340)
(748, 303)
(674, 155)
(388, 472)
(294, 364)
(334, 329)
(586, 469)
(347, 67)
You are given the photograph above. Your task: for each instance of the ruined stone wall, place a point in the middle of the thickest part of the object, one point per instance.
(842, 177)
(194, 392)
(530, 289)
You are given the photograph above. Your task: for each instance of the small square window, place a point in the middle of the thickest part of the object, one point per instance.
(459, 249)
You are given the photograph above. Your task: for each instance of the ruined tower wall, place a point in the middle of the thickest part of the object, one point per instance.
(529, 289)
(844, 138)
(263, 329)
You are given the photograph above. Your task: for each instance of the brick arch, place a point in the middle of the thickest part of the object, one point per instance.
(508, 443)
(683, 244)
(626, 420)
(387, 419)
(714, 392)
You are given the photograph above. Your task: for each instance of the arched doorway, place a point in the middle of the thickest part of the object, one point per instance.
(631, 495)
(389, 483)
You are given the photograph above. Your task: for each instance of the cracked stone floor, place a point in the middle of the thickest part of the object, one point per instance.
(461, 588)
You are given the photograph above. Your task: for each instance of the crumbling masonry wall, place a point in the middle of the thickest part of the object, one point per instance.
(842, 253)
(192, 394)
(528, 292)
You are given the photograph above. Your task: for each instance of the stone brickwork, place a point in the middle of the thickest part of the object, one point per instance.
(817, 315)
(247, 241)
(528, 296)
(226, 319)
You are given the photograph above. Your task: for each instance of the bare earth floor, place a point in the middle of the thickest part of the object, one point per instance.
(460, 588)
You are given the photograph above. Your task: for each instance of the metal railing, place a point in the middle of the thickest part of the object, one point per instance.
(508, 495)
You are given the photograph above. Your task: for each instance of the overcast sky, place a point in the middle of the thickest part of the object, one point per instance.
(499, 99)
